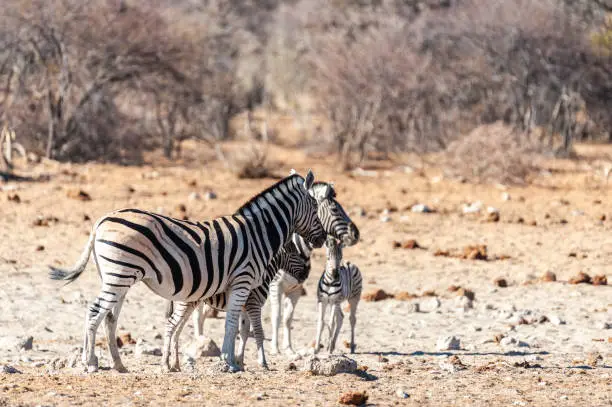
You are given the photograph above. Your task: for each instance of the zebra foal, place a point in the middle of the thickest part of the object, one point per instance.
(287, 259)
(189, 261)
(339, 282)
(337, 224)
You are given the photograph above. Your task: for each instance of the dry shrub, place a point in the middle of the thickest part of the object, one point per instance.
(251, 162)
(494, 153)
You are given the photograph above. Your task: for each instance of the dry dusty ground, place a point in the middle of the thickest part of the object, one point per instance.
(397, 344)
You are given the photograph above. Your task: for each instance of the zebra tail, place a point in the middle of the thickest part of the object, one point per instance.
(72, 274)
(169, 309)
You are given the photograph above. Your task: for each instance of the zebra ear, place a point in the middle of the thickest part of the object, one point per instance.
(309, 180)
(292, 172)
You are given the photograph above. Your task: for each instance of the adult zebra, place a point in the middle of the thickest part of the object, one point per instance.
(287, 259)
(337, 224)
(187, 261)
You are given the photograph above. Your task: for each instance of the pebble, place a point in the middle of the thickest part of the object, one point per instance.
(472, 208)
(144, 348)
(202, 346)
(605, 325)
(506, 196)
(555, 320)
(420, 208)
(431, 305)
(448, 343)
(26, 344)
(402, 394)
(210, 195)
(385, 219)
(194, 196)
(9, 369)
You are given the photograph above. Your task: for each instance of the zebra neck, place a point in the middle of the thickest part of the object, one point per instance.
(331, 270)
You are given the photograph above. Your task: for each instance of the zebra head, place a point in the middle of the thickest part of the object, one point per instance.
(308, 225)
(333, 217)
(291, 261)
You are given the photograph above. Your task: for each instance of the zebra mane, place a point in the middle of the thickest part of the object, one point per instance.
(283, 181)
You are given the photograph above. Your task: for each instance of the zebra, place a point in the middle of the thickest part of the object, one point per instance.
(287, 259)
(187, 261)
(339, 282)
(336, 223)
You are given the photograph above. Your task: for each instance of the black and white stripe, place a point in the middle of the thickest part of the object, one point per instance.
(287, 259)
(189, 261)
(336, 223)
(338, 283)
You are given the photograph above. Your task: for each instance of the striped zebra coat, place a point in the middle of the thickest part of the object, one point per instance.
(336, 223)
(338, 283)
(189, 261)
(287, 259)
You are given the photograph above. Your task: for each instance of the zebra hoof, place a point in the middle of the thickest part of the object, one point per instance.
(120, 368)
(233, 368)
(92, 368)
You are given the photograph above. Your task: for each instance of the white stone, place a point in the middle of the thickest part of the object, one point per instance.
(474, 207)
(329, 366)
(402, 394)
(506, 196)
(448, 343)
(144, 348)
(202, 346)
(194, 196)
(420, 208)
(556, 320)
(430, 305)
(605, 325)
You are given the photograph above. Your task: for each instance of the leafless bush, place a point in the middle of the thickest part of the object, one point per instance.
(494, 153)
(251, 162)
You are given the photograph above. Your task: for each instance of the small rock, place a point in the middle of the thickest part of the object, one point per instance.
(329, 366)
(472, 208)
(448, 343)
(353, 398)
(402, 394)
(40, 248)
(26, 344)
(125, 339)
(78, 194)
(600, 280)
(210, 195)
(431, 304)
(477, 252)
(58, 363)
(464, 292)
(452, 364)
(549, 276)
(555, 320)
(145, 348)
(605, 325)
(406, 244)
(580, 278)
(9, 369)
(202, 346)
(181, 208)
(421, 208)
(508, 341)
(385, 219)
(189, 363)
(500, 282)
(258, 396)
(194, 196)
(291, 367)
(377, 295)
(14, 198)
(506, 196)
(564, 397)
(464, 303)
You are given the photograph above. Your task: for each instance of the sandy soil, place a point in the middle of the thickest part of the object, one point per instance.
(569, 363)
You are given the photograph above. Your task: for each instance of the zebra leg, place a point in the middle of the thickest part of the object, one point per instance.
(254, 312)
(353, 302)
(176, 366)
(95, 314)
(291, 300)
(110, 326)
(339, 317)
(275, 301)
(244, 337)
(331, 327)
(320, 322)
(172, 324)
(237, 299)
(198, 320)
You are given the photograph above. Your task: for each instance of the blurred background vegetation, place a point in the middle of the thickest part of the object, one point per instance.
(109, 80)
